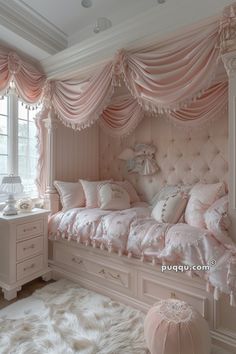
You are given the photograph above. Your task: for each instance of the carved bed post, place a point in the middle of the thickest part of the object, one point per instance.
(228, 50)
(51, 197)
(230, 65)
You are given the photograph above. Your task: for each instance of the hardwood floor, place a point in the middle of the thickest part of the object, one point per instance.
(26, 291)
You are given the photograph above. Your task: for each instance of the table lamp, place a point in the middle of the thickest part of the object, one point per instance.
(11, 185)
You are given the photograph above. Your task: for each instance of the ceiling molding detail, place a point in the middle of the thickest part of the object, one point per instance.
(22, 20)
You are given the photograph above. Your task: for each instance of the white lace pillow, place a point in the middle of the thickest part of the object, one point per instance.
(171, 209)
(113, 197)
(71, 194)
(90, 192)
(202, 196)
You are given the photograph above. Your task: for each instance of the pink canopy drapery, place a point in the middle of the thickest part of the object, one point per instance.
(169, 75)
(29, 81)
(173, 76)
(79, 104)
(121, 117)
(205, 108)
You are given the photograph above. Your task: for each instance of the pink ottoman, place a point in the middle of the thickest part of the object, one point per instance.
(173, 327)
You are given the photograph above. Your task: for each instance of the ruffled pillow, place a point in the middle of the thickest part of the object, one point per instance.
(90, 192)
(202, 196)
(113, 197)
(217, 219)
(71, 194)
(171, 209)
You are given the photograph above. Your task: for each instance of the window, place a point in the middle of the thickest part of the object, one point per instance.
(18, 151)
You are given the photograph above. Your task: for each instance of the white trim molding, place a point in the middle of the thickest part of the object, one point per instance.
(22, 20)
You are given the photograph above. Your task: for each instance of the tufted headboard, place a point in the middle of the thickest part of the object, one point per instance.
(184, 155)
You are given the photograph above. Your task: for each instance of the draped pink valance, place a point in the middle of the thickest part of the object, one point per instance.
(79, 104)
(29, 81)
(166, 77)
(205, 108)
(171, 74)
(121, 117)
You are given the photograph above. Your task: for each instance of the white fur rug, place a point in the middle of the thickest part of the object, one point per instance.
(63, 318)
(69, 319)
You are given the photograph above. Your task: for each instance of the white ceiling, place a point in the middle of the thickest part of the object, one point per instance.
(50, 26)
(71, 17)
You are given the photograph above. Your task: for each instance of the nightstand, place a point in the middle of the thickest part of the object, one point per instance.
(23, 250)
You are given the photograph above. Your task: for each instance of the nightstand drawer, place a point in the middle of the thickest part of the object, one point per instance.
(29, 267)
(29, 229)
(29, 248)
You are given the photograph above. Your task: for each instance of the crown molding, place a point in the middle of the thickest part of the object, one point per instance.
(149, 27)
(19, 18)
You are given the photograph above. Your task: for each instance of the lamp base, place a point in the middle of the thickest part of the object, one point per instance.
(10, 208)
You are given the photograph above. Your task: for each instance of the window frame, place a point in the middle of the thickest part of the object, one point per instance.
(13, 138)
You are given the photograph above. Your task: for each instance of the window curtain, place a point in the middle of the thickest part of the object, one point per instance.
(41, 180)
(28, 79)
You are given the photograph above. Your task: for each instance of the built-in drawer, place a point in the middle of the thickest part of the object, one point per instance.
(29, 267)
(29, 229)
(28, 248)
(95, 268)
(150, 290)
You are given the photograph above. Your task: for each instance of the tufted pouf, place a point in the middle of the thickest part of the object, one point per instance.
(173, 327)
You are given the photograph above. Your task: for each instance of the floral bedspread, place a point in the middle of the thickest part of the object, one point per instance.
(134, 233)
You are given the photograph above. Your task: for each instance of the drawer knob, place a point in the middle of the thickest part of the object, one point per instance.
(29, 267)
(28, 248)
(107, 275)
(77, 260)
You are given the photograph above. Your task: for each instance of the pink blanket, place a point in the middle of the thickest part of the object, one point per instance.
(133, 232)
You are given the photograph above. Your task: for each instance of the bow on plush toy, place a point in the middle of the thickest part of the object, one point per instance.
(140, 160)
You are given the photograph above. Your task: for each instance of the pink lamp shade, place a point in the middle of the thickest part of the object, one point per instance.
(173, 327)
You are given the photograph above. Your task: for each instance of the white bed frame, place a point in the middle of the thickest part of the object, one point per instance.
(129, 280)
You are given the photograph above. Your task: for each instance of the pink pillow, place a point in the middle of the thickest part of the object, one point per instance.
(134, 198)
(71, 194)
(202, 196)
(90, 192)
(217, 219)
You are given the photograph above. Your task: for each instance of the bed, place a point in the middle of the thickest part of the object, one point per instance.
(134, 275)
(128, 265)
